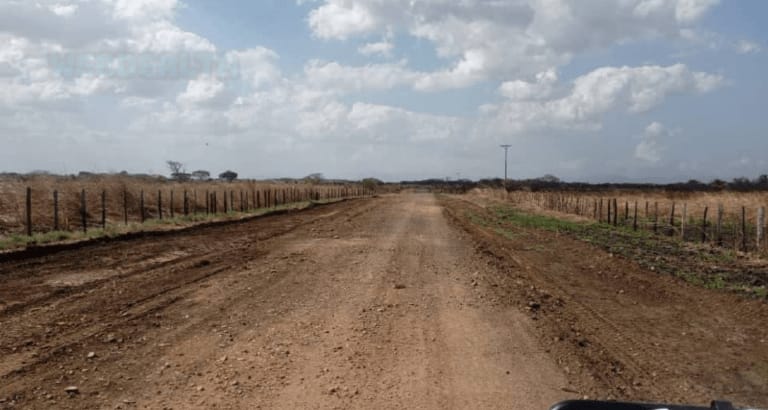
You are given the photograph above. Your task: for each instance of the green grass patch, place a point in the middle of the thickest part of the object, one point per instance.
(706, 267)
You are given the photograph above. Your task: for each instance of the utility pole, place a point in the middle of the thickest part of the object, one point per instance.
(506, 156)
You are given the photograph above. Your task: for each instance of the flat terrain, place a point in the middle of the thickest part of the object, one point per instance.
(393, 302)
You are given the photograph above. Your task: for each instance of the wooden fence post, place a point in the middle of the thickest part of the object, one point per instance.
(226, 205)
(760, 227)
(29, 211)
(626, 212)
(207, 202)
(83, 211)
(704, 225)
(744, 228)
(600, 214)
(160, 205)
(634, 223)
(173, 214)
(186, 203)
(594, 211)
(655, 217)
(141, 205)
(672, 220)
(104, 209)
(55, 210)
(684, 221)
(719, 228)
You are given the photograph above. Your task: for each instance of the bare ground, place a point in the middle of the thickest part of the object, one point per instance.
(392, 302)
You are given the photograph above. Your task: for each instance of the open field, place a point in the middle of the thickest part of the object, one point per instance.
(731, 220)
(399, 301)
(60, 205)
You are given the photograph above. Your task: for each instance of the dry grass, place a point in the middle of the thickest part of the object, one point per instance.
(583, 204)
(13, 198)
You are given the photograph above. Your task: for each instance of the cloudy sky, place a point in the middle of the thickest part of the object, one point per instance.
(593, 90)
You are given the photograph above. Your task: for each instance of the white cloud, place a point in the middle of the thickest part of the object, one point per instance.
(341, 78)
(383, 48)
(63, 10)
(510, 39)
(633, 89)
(651, 146)
(513, 46)
(522, 90)
(202, 89)
(748, 47)
(144, 9)
(340, 21)
(257, 66)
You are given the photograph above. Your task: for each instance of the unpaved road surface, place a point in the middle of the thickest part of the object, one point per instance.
(392, 302)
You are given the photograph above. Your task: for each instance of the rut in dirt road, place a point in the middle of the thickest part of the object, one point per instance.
(368, 304)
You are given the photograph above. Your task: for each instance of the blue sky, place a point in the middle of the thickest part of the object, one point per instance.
(598, 90)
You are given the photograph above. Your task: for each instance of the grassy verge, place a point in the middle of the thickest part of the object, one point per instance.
(21, 241)
(704, 266)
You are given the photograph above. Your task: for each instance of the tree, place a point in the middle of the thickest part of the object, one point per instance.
(370, 184)
(549, 178)
(176, 167)
(315, 178)
(228, 176)
(201, 175)
(177, 171)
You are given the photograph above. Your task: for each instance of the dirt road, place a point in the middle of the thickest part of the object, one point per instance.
(392, 302)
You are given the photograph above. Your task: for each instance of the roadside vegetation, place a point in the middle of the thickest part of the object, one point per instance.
(701, 265)
(18, 241)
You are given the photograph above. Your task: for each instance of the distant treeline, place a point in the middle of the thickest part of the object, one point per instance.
(551, 183)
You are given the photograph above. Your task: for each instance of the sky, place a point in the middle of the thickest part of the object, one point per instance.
(587, 90)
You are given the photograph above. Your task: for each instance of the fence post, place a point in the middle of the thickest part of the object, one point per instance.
(83, 211)
(626, 212)
(634, 223)
(760, 227)
(655, 217)
(720, 212)
(55, 210)
(594, 211)
(704, 225)
(600, 211)
(160, 205)
(104, 209)
(125, 206)
(141, 204)
(684, 221)
(186, 203)
(194, 202)
(744, 228)
(672, 220)
(226, 205)
(173, 214)
(29, 211)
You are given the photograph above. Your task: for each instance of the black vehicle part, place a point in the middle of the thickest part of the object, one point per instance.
(607, 405)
